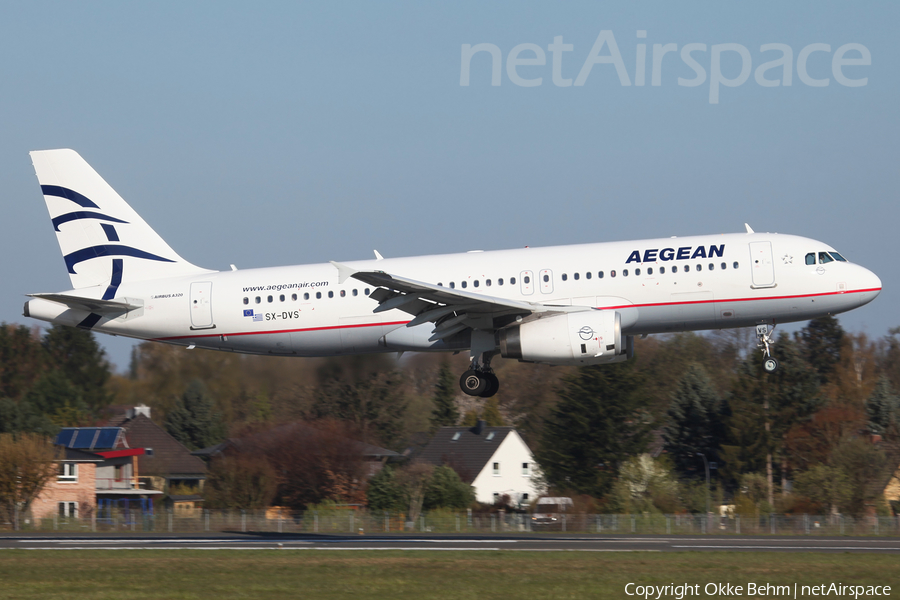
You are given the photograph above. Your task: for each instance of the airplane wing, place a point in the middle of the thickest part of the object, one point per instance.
(94, 305)
(450, 310)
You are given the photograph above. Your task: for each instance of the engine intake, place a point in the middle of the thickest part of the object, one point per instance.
(587, 337)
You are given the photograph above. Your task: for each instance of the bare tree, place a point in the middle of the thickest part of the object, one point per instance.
(414, 479)
(27, 463)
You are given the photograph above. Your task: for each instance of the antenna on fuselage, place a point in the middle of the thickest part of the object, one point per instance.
(749, 229)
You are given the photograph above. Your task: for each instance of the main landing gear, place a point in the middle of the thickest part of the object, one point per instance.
(764, 338)
(480, 380)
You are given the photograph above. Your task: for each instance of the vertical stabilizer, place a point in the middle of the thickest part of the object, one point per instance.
(103, 240)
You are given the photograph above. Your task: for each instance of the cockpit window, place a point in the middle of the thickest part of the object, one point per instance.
(811, 258)
(824, 258)
(837, 256)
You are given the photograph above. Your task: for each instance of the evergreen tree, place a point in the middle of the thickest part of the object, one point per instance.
(194, 420)
(445, 413)
(883, 409)
(598, 423)
(384, 492)
(76, 354)
(375, 406)
(694, 423)
(447, 490)
(821, 340)
(56, 398)
(22, 360)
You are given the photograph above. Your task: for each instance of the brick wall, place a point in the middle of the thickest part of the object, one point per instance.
(83, 491)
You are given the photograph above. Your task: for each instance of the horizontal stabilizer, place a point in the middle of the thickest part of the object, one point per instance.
(94, 305)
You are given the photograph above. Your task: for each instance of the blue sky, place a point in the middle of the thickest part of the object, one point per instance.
(287, 133)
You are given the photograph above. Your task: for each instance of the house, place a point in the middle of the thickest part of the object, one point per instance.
(72, 493)
(165, 465)
(494, 460)
(114, 478)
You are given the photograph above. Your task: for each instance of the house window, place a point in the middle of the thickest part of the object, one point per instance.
(118, 472)
(526, 469)
(525, 497)
(456, 436)
(496, 468)
(68, 472)
(489, 437)
(68, 510)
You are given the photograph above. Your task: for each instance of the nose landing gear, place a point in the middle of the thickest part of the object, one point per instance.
(764, 338)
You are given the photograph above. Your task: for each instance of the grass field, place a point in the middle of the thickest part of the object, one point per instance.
(359, 575)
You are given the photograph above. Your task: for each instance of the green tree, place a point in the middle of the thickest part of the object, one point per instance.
(447, 490)
(56, 398)
(240, 482)
(445, 413)
(27, 463)
(22, 360)
(79, 358)
(821, 341)
(883, 409)
(598, 423)
(194, 421)
(491, 413)
(385, 492)
(375, 406)
(694, 425)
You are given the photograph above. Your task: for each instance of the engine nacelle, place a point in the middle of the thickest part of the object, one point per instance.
(586, 337)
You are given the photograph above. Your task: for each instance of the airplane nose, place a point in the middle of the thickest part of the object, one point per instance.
(870, 286)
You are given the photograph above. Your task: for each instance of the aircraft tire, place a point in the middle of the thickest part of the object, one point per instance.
(770, 365)
(493, 385)
(473, 383)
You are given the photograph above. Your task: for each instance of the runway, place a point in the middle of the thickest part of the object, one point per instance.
(520, 543)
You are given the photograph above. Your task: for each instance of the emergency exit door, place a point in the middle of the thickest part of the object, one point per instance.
(201, 305)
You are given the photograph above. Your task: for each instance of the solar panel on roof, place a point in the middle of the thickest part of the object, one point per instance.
(64, 437)
(88, 438)
(107, 437)
(84, 439)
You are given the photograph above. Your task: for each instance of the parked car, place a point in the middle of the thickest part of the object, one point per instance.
(549, 513)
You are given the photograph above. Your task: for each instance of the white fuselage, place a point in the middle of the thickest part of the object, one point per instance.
(661, 285)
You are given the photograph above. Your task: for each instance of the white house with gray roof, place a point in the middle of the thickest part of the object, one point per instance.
(494, 460)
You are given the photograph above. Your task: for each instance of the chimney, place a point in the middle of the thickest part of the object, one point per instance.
(479, 427)
(140, 409)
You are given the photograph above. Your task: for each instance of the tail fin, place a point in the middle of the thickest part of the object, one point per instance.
(103, 240)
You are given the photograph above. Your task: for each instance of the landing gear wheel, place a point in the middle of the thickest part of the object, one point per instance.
(493, 385)
(473, 383)
(770, 365)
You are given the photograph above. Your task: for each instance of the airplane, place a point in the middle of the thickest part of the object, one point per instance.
(565, 305)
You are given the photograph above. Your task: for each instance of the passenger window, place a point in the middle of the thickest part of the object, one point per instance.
(600, 275)
(712, 267)
(464, 284)
(281, 298)
(576, 276)
(724, 266)
(662, 270)
(612, 273)
(687, 269)
(355, 292)
(331, 294)
(366, 292)
(699, 267)
(526, 279)
(440, 284)
(587, 275)
(824, 258)
(512, 281)
(487, 283)
(318, 295)
(306, 296)
(811, 258)
(475, 283)
(294, 297)
(735, 265)
(258, 299)
(500, 281)
(452, 286)
(269, 298)
(564, 277)
(637, 272)
(246, 300)
(343, 293)
(649, 270)
(624, 272)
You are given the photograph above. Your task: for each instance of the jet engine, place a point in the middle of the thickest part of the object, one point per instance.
(586, 337)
